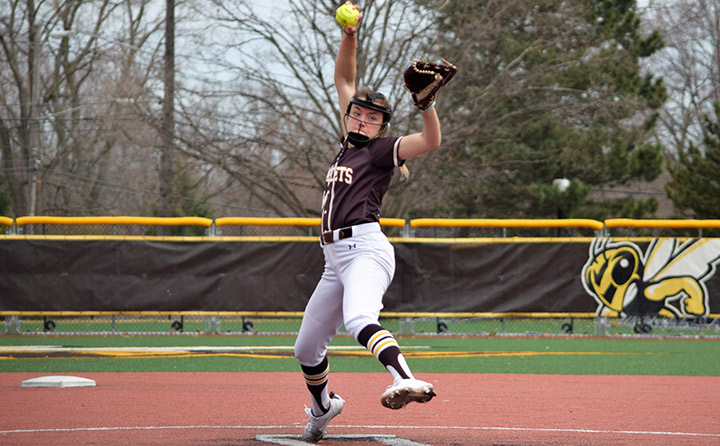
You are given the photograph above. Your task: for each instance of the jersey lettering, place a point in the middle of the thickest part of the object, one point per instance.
(340, 173)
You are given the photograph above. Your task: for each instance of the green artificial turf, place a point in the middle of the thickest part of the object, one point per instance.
(561, 355)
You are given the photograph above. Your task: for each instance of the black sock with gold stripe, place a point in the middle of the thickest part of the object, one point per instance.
(385, 348)
(316, 378)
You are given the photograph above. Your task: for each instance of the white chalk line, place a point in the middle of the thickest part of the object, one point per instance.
(130, 428)
(59, 348)
(369, 427)
(242, 348)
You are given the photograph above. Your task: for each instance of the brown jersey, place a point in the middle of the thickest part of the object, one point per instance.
(357, 181)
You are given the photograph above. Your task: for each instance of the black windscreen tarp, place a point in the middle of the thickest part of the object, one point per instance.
(147, 275)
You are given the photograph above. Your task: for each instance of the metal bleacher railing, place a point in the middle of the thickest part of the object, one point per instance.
(286, 229)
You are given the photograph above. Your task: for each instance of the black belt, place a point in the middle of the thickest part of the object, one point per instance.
(330, 236)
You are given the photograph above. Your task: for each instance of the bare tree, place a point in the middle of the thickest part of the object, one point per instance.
(690, 66)
(74, 74)
(272, 125)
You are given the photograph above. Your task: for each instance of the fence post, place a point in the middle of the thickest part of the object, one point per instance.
(407, 326)
(12, 324)
(212, 325)
(602, 326)
(407, 230)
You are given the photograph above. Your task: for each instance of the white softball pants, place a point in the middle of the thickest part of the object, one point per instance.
(358, 271)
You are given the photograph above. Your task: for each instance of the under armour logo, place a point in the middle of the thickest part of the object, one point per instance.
(354, 245)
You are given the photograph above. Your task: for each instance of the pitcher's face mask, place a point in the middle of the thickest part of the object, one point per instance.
(358, 139)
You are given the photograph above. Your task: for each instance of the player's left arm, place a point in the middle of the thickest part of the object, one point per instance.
(429, 139)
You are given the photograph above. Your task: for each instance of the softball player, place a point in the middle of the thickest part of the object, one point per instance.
(359, 260)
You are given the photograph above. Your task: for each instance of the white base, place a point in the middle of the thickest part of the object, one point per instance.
(58, 381)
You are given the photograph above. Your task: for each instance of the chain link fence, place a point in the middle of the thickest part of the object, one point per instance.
(435, 324)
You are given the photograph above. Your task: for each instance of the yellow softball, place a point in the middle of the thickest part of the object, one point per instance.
(346, 15)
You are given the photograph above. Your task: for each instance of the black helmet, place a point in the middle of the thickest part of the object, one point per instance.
(369, 102)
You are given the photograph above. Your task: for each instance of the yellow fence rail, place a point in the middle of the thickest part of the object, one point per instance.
(507, 223)
(407, 228)
(146, 221)
(671, 224)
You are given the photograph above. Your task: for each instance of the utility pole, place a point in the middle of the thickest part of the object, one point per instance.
(34, 117)
(168, 122)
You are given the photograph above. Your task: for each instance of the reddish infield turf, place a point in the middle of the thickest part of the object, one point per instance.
(470, 409)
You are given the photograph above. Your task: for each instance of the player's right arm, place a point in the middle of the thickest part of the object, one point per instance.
(346, 66)
(429, 139)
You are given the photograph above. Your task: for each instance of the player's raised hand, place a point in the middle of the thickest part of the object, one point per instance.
(349, 17)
